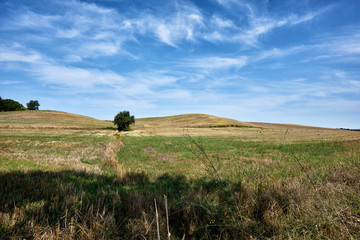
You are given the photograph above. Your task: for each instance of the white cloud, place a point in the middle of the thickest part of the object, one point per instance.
(98, 31)
(276, 53)
(262, 25)
(329, 87)
(254, 23)
(340, 48)
(33, 20)
(8, 54)
(149, 86)
(176, 28)
(76, 78)
(348, 44)
(216, 36)
(222, 22)
(218, 62)
(164, 34)
(72, 58)
(94, 49)
(10, 82)
(93, 30)
(340, 73)
(68, 33)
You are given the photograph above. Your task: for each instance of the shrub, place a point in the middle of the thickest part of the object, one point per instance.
(123, 120)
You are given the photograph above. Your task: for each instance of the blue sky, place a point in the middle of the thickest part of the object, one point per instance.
(266, 61)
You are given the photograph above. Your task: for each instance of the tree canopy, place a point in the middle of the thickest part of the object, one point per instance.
(33, 105)
(123, 120)
(10, 105)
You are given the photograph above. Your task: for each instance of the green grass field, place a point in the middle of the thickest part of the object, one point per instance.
(76, 180)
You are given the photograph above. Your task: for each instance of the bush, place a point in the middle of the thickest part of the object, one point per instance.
(33, 105)
(123, 120)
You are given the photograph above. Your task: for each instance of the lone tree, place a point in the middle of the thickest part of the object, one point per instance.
(33, 105)
(123, 120)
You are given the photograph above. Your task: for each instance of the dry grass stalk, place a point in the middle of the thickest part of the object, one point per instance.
(157, 221)
(167, 217)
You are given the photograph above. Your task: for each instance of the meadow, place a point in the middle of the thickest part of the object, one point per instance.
(66, 176)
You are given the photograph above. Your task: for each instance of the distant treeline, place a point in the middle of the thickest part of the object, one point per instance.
(349, 129)
(11, 105)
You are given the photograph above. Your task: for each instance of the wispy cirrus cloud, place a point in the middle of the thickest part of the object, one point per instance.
(222, 23)
(213, 62)
(262, 25)
(346, 44)
(259, 22)
(343, 46)
(277, 53)
(15, 54)
(108, 35)
(73, 21)
(72, 77)
(149, 86)
(11, 82)
(172, 28)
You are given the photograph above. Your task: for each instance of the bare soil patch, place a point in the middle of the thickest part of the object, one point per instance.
(149, 150)
(166, 157)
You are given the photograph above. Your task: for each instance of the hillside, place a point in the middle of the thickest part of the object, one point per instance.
(49, 120)
(189, 121)
(179, 125)
(211, 126)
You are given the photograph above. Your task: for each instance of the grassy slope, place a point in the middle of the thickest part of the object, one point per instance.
(49, 119)
(62, 182)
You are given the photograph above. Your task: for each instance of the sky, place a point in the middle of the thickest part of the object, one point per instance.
(258, 61)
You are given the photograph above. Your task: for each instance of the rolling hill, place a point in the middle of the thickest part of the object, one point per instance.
(43, 119)
(57, 119)
(189, 121)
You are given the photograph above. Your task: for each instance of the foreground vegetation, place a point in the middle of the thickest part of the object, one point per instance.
(93, 184)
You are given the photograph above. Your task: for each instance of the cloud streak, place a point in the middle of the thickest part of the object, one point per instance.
(15, 55)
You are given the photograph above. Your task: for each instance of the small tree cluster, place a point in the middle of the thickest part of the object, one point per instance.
(123, 120)
(10, 105)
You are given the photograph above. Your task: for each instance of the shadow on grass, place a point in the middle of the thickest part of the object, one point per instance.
(81, 205)
(110, 128)
(70, 204)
